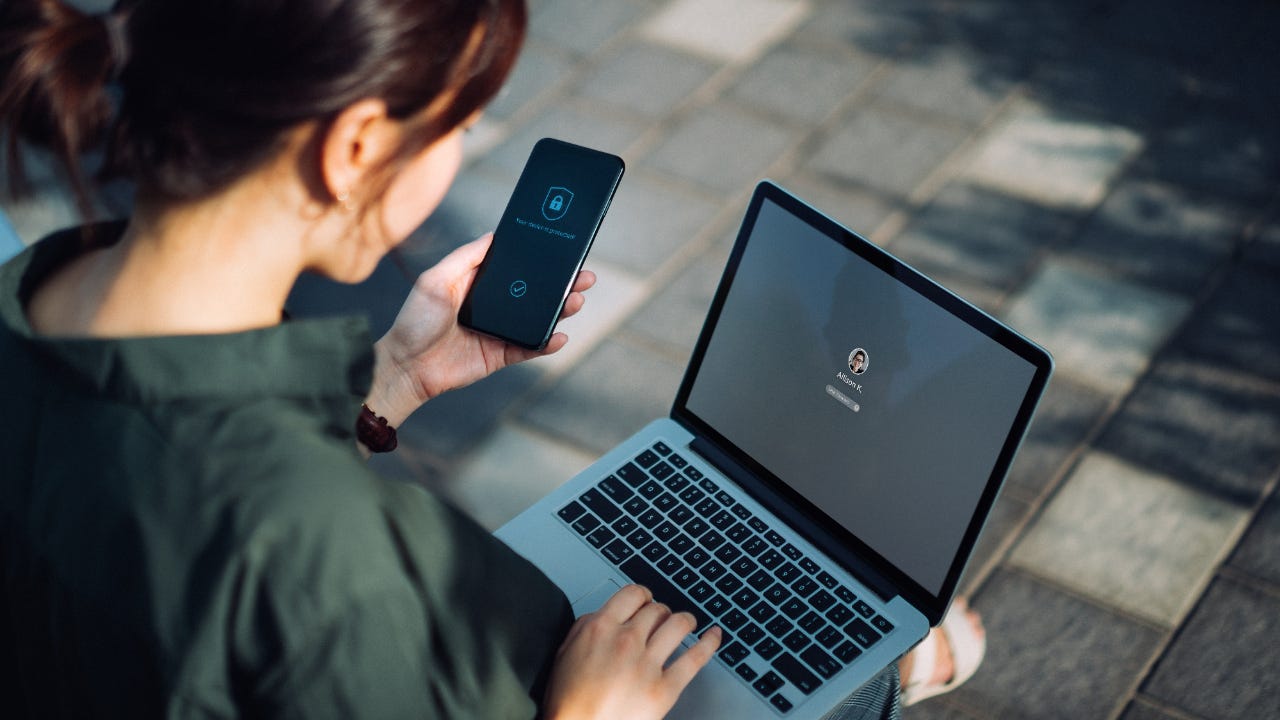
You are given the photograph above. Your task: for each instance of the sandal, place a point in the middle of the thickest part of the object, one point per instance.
(967, 648)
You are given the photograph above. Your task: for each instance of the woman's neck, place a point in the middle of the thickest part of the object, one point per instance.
(223, 264)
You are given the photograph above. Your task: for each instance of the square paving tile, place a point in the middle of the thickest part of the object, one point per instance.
(538, 69)
(854, 207)
(977, 235)
(1005, 519)
(1118, 85)
(614, 392)
(722, 147)
(646, 79)
(1259, 552)
(1051, 655)
(674, 315)
(582, 25)
(1130, 538)
(1265, 249)
(1239, 327)
(1067, 412)
(878, 28)
(802, 83)
(725, 30)
(1162, 27)
(575, 121)
(886, 150)
(1203, 425)
(1159, 235)
(1101, 332)
(650, 219)
(950, 81)
(1140, 710)
(1221, 153)
(1223, 663)
(936, 708)
(616, 295)
(1054, 160)
(512, 470)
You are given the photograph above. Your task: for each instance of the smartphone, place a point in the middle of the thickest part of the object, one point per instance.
(541, 242)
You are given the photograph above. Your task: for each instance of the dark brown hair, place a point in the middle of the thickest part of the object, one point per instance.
(186, 96)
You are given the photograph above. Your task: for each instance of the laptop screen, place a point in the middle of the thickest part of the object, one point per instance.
(876, 404)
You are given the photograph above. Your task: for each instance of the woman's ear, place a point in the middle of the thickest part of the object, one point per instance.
(353, 146)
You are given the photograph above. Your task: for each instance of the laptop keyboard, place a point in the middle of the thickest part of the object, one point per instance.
(789, 625)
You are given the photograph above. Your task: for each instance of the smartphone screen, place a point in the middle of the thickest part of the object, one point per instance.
(541, 242)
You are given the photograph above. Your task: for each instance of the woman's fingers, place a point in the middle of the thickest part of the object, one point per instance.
(680, 673)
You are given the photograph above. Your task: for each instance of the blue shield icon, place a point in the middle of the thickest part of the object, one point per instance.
(557, 203)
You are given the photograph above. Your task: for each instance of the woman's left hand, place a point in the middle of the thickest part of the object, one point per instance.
(426, 352)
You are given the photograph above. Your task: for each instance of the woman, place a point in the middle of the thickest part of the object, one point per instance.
(187, 528)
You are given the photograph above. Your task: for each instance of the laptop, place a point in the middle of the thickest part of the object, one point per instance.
(841, 432)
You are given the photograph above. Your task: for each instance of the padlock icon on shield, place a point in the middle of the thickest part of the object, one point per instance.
(556, 203)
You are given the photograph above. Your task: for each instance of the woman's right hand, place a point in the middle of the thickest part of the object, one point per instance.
(613, 663)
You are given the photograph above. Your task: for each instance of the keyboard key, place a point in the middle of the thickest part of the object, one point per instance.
(805, 586)
(768, 684)
(751, 634)
(661, 471)
(665, 502)
(864, 609)
(617, 552)
(646, 458)
(597, 503)
(829, 637)
(792, 552)
(661, 448)
(681, 544)
(742, 512)
(697, 557)
(754, 546)
(670, 564)
(795, 673)
(625, 525)
(882, 624)
(654, 552)
(650, 518)
(685, 578)
(733, 620)
(763, 612)
(767, 648)
(707, 507)
(642, 573)
(745, 598)
(571, 512)
(777, 594)
(635, 506)
(734, 653)
(586, 524)
(808, 566)
(713, 570)
(822, 600)
(796, 641)
(723, 520)
(811, 622)
(724, 498)
(779, 626)
(793, 608)
(632, 475)
(729, 584)
(712, 540)
(827, 580)
(840, 614)
(847, 652)
(826, 665)
(676, 482)
(601, 536)
(862, 632)
(696, 527)
(746, 672)
(775, 539)
(709, 486)
(639, 538)
(665, 530)
(693, 473)
(782, 703)
(677, 461)
(743, 567)
(846, 594)
(616, 491)
(701, 591)
(650, 490)
(727, 554)
(692, 495)
(680, 514)
(771, 559)
(787, 573)
(738, 532)
(760, 580)
(758, 525)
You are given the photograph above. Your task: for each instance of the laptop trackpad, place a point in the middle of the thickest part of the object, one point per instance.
(595, 598)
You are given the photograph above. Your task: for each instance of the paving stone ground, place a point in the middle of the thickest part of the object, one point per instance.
(1103, 175)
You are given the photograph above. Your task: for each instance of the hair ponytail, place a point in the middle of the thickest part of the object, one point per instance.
(55, 66)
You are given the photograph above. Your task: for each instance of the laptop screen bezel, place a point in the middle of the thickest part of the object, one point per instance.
(827, 534)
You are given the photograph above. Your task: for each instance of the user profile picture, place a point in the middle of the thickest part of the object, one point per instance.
(859, 361)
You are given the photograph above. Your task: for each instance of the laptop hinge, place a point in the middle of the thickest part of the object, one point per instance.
(798, 520)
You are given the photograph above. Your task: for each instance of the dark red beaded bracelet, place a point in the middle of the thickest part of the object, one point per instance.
(374, 432)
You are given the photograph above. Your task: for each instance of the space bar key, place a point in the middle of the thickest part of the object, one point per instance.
(664, 591)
